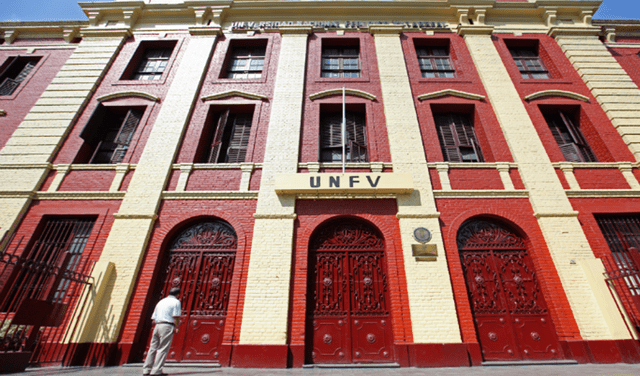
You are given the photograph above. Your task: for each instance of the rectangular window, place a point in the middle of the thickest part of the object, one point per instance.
(153, 64)
(570, 139)
(150, 61)
(17, 70)
(340, 61)
(109, 133)
(435, 62)
(230, 140)
(58, 247)
(331, 137)
(457, 137)
(529, 63)
(246, 62)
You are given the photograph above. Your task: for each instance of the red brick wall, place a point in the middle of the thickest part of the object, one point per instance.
(95, 180)
(173, 217)
(475, 178)
(488, 131)
(25, 96)
(112, 83)
(381, 213)
(518, 214)
(628, 58)
(369, 81)
(602, 137)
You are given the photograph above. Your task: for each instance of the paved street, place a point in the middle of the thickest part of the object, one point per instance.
(560, 370)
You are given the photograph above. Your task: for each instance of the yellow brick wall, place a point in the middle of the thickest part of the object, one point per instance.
(431, 302)
(24, 161)
(128, 238)
(609, 83)
(559, 224)
(266, 307)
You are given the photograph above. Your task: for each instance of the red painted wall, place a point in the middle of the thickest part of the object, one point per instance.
(488, 131)
(381, 213)
(602, 137)
(518, 214)
(369, 81)
(173, 217)
(25, 96)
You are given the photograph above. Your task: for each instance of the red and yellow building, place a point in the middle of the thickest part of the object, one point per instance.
(490, 174)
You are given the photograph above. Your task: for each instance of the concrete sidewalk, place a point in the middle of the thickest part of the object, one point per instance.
(619, 369)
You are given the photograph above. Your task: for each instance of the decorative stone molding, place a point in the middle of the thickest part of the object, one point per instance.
(10, 36)
(275, 216)
(232, 93)
(70, 34)
(418, 216)
(477, 194)
(210, 195)
(464, 30)
(550, 16)
(102, 32)
(539, 215)
(350, 92)
(610, 34)
(557, 31)
(79, 195)
(289, 29)
(557, 93)
(385, 29)
(602, 193)
(205, 30)
(135, 216)
(455, 93)
(125, 94)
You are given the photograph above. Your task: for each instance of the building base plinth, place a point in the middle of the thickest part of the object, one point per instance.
(260, 356)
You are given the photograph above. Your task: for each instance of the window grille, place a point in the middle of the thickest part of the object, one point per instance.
(16, 72)
(153, 64)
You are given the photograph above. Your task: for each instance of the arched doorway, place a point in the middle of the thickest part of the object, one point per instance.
(200, 261)
(348, 298)
(511, 317)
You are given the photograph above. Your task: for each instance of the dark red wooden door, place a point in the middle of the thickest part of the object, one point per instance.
(349, 311)
(201, 263)
(510, 313)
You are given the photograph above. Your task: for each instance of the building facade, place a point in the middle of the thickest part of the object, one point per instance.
(421, 183)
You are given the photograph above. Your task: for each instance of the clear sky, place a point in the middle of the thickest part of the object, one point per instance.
(60, 10)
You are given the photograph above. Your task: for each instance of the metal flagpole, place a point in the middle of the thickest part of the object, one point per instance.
(344, 131)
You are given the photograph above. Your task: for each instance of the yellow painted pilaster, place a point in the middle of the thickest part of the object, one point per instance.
(558, 221)
(431, 302)
(614, 90)
(266, 307)
(128, 238)
(25, 159)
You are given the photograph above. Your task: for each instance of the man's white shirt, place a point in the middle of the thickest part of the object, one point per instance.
(166, 310)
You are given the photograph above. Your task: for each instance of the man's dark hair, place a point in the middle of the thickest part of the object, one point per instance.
(175, 291)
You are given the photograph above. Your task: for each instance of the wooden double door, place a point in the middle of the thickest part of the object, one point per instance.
(201, 262)
(511, 316)
(349, 320)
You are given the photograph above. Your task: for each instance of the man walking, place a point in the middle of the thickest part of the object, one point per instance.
(166, 316)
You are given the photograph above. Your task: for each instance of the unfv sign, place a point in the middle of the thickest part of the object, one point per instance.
(344, 183)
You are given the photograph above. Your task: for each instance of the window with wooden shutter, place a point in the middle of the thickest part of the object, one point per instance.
(457, 138)
(230, 139)
(109, 132)
(331, 137)
(569, 138)
(17, 70)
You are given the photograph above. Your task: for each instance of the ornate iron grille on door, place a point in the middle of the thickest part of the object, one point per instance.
(349, 310)
(511, 316)
(201, 261)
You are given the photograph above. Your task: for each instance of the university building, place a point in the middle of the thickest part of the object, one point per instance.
(415, 183)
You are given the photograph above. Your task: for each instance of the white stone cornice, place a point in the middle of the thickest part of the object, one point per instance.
(101, 32)
(10, 35)
(454, 93)
(126, 94)
(70, 34)
(557, 31)
(556, 93)
(210, 195)
(205, 30)
(464, 30)
(350, 92)
(233, 93)
(385, 29)
(295, 29)
(79, 195)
